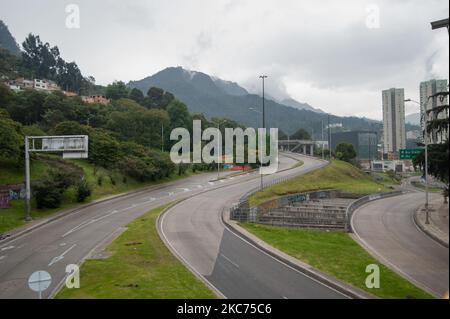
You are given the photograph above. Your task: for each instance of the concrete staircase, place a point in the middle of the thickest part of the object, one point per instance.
(326, 213)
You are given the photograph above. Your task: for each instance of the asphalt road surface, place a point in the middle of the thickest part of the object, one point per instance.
(387, 228)
(195, 232)
(69, 240)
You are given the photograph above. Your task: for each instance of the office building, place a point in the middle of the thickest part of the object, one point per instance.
(394, 131)
(365, 143)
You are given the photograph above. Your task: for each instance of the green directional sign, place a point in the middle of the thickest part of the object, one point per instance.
(410, 153)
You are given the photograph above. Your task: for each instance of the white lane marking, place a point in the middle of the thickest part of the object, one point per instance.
(60, 257)
(87, 223)
(222, 181)
(199, 186)
(8, 248)
(210, 183)
(281, 262)
(229, 260)
(186, 189)
(2, 257)
(62, 244)
(285, 297)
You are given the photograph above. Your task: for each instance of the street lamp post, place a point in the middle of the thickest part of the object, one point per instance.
(263, 77)
(323, 146)
(425, 138)
(218, 148)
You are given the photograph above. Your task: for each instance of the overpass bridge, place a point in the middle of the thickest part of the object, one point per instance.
(299, 146)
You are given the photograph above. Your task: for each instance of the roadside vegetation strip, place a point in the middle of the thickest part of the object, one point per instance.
(338, 255)
(337, 175)
(140, 266)
(422, 187)
(112, 183)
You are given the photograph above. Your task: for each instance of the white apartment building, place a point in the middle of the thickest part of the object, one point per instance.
(428, 89)
(394, 131)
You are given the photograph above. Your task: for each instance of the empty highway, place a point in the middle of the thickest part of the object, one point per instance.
(70, 239)
(387, 228)
(237, 269)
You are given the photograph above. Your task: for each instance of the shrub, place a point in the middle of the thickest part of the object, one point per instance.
(100, 180)
(138, 169)
(113, 181)
(47, 194)
(83, 191)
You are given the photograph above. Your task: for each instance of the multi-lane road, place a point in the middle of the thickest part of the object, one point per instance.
(70, 239)
(387, 228)
(237, 269)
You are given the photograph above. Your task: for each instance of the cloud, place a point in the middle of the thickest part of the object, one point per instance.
(319, 52)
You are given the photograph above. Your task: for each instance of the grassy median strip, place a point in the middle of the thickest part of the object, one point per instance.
(336, 254)
(140, 267)
(338, 175)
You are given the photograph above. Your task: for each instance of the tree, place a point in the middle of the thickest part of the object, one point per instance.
(158, 98)
(437, 126)
(28, 107)
(117, 90)
(345, 152)
(301, 134)
(179, 115)
(45, 62)
(70, 128)
(136, 95)
(11, 138)
(6, 96)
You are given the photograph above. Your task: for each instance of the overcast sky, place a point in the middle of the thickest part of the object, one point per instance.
(323, 52)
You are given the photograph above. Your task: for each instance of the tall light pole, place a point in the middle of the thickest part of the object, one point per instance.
(424, 116)
(440, 24)
(263, 77)
(323, 146)
(219, 154)
(329, 136)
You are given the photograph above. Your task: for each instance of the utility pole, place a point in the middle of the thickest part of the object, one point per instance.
(323, 146)
(424, 116)
(329, 136)
(27, 181)
(263, 77)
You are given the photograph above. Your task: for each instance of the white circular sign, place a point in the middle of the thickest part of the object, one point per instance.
(39, 281)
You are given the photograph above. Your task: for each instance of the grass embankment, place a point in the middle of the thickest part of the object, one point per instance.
(140, 267)
(338, 255)
(337, 175)
(113, 183)
(388, 179)
(422, 187)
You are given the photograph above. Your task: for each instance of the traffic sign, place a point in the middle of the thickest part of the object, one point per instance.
(39, 281)
(410, 153)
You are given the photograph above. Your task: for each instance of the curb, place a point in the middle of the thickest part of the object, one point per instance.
(303, 268)
(424, 229)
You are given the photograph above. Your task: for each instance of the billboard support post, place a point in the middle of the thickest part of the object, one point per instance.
(75, 146)
(27, 181)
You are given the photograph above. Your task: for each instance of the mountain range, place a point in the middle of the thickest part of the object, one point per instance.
(7, 41)
(215, 97)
